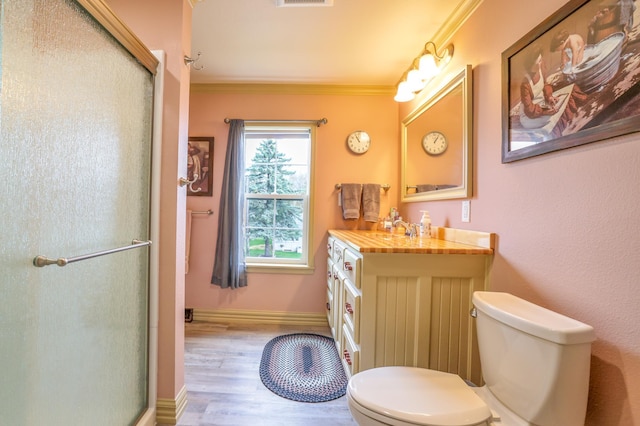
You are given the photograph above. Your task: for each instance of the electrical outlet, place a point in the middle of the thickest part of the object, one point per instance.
(466, 210)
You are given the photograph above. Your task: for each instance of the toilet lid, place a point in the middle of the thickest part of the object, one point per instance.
(419, 396)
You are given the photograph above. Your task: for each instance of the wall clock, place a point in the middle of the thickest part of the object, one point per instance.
(359, 142)
(434, 143)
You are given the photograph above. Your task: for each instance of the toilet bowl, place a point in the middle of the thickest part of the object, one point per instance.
(535, 364)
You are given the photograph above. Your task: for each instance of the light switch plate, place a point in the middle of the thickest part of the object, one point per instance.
(466, 210)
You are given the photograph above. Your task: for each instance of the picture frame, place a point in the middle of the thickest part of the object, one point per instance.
(200, 163)
(589, 61)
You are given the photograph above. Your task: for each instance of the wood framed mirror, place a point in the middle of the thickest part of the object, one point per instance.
(437, 144)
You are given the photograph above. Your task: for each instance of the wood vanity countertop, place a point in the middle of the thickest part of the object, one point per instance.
(444, 241)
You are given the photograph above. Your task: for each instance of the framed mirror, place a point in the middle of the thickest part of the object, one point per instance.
(437, 144)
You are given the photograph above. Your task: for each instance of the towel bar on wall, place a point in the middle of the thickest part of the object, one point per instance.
(42, 261)
(207, 212)
(386, 186)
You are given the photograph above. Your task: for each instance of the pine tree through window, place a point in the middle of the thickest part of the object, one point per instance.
(277, 190)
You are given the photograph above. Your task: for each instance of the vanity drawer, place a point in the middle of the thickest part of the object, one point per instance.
(330, 274)
(332, 318)
(338, 253)
(330, 314)
(330, 242)
(352, 266)
(351, 310)
(350, 353)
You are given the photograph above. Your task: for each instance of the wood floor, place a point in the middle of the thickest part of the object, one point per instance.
(224, 386)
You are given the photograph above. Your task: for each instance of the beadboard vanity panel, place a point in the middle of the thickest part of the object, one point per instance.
(396, 300)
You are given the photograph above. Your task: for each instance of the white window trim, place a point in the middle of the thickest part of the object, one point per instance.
(282, 267)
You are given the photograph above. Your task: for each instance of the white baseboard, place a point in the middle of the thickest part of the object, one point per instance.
(168, 411)
(260, 317)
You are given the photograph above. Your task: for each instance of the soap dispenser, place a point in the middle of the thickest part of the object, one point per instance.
(425, 224)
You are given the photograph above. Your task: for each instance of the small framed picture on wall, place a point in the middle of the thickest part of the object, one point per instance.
(200, 165)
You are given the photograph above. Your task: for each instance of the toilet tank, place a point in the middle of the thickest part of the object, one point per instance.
(535, 361)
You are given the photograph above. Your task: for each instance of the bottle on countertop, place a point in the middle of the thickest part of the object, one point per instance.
(425, 224)
(387, 224)
(394, 213)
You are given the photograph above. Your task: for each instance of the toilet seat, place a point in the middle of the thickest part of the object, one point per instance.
(417, 396)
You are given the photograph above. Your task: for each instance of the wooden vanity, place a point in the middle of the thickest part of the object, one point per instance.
(396, 300)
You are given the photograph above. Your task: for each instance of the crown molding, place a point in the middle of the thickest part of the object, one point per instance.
(459, 16)
(292, 89)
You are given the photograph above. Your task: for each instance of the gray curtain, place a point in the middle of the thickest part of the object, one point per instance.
(229, 270)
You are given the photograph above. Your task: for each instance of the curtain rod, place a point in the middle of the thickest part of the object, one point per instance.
(318, 122)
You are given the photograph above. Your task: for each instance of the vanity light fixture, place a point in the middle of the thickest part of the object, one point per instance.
(422, 70)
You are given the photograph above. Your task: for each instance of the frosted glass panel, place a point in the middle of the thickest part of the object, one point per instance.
(75, 148)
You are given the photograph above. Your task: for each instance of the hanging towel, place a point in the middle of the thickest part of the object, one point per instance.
(371, 202)
(187, 242)
(426, 188)
(430, 187)
(351, 194)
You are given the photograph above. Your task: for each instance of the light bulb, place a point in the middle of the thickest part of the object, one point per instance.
(404, 93)
(414, 79)
(427, 66)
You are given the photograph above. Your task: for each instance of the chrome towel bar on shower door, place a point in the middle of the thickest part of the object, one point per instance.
(42, 261)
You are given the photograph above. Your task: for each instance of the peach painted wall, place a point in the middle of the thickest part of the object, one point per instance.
(567, 222)
(378, 115)
(166, 25)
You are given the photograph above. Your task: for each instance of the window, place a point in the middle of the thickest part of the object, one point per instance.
(278, 160)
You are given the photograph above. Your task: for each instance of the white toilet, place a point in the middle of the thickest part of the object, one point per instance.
(535, 364)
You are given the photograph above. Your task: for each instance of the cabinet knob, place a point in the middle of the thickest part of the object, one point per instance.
(346, 356)
(347, 266)
(348, 308)
(328, 306)
(328, 274)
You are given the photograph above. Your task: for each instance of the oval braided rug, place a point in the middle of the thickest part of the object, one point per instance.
(303, 367)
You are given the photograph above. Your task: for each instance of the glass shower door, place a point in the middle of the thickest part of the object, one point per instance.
(75, 149)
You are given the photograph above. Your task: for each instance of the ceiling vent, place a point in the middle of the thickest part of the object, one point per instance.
(298, 3)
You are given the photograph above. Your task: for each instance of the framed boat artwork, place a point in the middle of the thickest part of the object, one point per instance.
(572, 80)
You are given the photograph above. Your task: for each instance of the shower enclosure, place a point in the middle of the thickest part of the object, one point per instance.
(76, 110)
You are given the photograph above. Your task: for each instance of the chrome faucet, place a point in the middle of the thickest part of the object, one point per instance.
(411, 229)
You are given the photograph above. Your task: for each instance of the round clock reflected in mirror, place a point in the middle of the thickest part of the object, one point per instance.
(434, 143)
